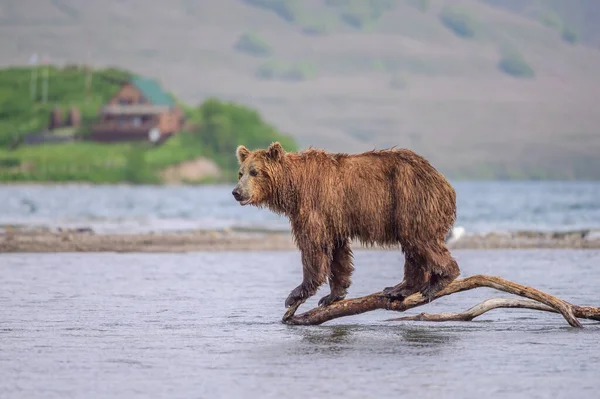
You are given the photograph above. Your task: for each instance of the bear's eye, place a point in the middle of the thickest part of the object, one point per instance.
(253, 173)
(240, 174)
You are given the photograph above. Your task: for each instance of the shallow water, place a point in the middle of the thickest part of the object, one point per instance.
(207, 325)
(481, 206)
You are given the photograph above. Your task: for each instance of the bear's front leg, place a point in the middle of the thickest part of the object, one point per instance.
(315, 267)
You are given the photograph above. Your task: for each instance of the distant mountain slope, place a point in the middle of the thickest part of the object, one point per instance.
(482, 90)
(580, 16)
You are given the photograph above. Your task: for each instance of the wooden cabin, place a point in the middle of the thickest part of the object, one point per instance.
(141, 110)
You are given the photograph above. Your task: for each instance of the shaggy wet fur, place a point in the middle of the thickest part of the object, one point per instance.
(388, 197)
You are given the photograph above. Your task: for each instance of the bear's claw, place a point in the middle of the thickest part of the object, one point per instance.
(291, 301)
(298, 294)
(429, 291)
(329, 299)
(398, 292)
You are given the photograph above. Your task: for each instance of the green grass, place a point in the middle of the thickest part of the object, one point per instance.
(135, 162)
(92, 162)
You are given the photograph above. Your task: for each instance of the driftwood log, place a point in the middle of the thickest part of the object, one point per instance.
(536, 300)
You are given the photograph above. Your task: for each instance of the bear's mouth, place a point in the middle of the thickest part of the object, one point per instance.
(245, 202)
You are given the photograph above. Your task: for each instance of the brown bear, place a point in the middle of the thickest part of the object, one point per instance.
(387, 197)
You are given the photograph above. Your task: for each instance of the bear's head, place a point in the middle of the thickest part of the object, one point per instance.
(257, 174)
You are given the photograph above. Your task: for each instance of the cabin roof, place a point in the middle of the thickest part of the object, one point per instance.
(152, 91)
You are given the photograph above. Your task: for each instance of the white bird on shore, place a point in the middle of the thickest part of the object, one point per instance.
(455, 234)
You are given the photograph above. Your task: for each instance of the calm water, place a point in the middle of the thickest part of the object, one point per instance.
(482, 207)
(206, 325)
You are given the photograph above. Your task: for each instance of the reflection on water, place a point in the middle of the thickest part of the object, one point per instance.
(373, 339)
(424, 337)
(207, 325)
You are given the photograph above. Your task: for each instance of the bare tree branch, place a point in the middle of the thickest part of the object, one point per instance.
(479, 309)
(375, 301)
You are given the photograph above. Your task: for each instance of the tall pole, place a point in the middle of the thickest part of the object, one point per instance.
(88, 80)
(45, 87)
(33, 81)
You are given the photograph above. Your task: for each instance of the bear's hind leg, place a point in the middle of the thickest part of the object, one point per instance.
(443, 269)
(339, 275)
(415, 277)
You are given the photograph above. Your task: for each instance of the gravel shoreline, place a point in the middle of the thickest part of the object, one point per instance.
(84, 240)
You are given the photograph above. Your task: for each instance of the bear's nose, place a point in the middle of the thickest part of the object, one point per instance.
(236, 194)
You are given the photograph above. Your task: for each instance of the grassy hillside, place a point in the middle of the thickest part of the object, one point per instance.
(483, 88)
(24, 107)
(214, 130)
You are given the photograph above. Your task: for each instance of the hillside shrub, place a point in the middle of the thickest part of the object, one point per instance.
(361, 13)
(355, 19)
(226, 125)
(295, 72)
(551, 19)
(289, 10)
(569, 35)
(421, 5)
(316, 28)
(253, 44)
(514, 64)
(459, 21)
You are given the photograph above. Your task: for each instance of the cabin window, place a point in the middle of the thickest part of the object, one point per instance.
(125, 101)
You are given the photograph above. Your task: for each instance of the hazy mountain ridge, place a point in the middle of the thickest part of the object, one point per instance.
(348, 77)
(580, 16)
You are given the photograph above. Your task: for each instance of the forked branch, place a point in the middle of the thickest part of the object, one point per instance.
(479, 309)
(538, 300)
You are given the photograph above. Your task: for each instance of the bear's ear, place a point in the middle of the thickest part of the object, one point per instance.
(275, 151)
(241, 153)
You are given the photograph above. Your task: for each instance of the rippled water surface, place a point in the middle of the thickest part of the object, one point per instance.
(207, 325)
(482, 207)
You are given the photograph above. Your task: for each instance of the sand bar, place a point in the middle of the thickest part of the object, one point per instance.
(85, 240)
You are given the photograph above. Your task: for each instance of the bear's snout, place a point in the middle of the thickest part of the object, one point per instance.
(240, 197)
(236, 194)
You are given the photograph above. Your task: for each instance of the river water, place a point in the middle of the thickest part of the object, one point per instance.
(207, 325)
(482, 207)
